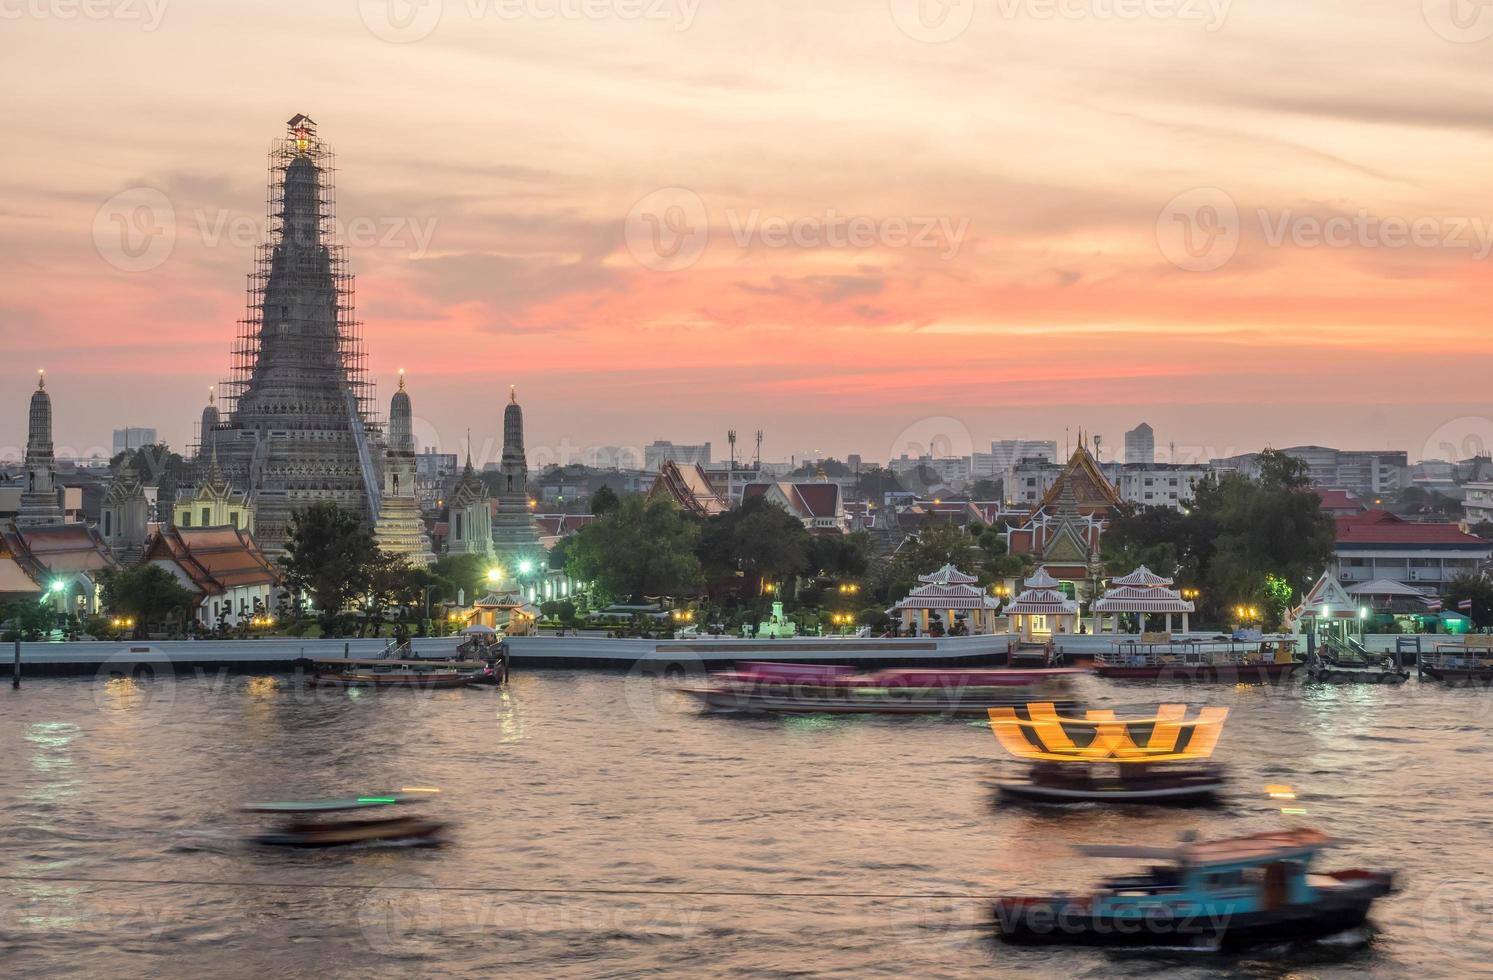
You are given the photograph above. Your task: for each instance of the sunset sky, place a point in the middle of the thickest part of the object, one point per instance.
(506, 166)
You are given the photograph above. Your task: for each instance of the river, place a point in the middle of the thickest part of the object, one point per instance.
(679, 843)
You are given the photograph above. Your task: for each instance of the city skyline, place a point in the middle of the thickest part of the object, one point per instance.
(496, 240)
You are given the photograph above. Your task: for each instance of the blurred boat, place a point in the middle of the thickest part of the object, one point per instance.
(1220, 894)
(1471, 660)
(302, 828)
(1099, 758)
(816, 689)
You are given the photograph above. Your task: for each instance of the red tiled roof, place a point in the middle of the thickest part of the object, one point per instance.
(215, 558)
(818, 499)
(60, 549)
(1338, 500)
(1378, 527)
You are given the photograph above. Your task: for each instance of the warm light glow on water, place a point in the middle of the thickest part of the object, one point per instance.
(575, 780)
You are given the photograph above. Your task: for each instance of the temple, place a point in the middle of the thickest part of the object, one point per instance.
(400, 528)
(949, 597)
(515, 539)
(39, 504)
(299, 414)
(1062, 534)
(1141, 594)
(468, 515)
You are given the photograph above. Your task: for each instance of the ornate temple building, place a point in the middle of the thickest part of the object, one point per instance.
(40, 506)
(298, 425)
(514, 536)
(468, 514)
(124, 519)
(1062, 534)
(688, 486)
(213, 502)
(400, 528)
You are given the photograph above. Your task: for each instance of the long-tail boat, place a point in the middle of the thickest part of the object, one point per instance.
(816, 689)
(1219, 894)
(1100, 758)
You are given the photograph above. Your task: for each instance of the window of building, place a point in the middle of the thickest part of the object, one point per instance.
(186, 518)
(207, 516)
(108, 523)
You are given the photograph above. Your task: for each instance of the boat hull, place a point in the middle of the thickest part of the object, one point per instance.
(1224, 673)
(1458, 674)
(1350, 675)
(412, 830)
(1061, 921)
(949, 706)
(1193, 794)
(411, 682)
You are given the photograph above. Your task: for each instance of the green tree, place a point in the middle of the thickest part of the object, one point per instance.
(151, 596)
(27, 619)
(757, 543)
(331, 558)
(604, 500)
(643, 548)
(1472, 586)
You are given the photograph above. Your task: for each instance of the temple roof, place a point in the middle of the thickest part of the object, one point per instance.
(948, 575)
(1326, 597)
(1087, 483)
(689, 487)
(216, 559)
(1132, 598)
(1143, 577)
(57, 549)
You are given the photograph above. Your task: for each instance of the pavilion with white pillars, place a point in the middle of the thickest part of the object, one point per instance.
(950, 593)
(1042, 609)
(1142, 593)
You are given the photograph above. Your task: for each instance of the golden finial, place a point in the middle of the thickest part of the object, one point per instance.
(212, 394)
(401, 379)
(513, 394)
(41, 379)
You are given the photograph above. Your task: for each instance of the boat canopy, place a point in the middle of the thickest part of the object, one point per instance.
(1169, 736)
(1253, 849)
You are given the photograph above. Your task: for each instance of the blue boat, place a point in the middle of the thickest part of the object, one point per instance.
(1221, 894)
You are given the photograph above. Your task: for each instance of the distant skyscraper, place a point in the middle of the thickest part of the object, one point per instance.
(660, 450)
(1140, 445)
(299, 412)
(133, 437)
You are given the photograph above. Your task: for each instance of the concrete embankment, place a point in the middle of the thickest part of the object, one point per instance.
(186, 656)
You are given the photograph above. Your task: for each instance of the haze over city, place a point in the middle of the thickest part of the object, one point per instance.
(490, 164)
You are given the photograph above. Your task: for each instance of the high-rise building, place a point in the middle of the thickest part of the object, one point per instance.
(660, 451)
(300, 424)
(1140, 445)
(133, 437)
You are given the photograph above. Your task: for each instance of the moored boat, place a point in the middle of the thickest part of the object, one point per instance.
(1218, 894)
(1468, 662)
(815, 689)
(1099, 758)
(301, 828)
(1248, 661)
(425, 675)
(1345, 671)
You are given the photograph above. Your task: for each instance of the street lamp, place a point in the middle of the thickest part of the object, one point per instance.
(525, 567)
(495, 574)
